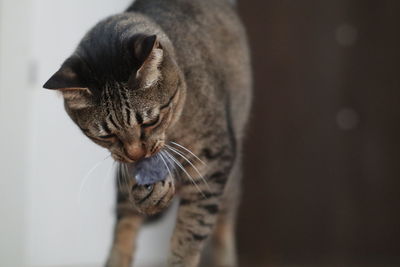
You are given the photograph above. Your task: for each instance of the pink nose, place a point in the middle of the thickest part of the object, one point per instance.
(135, 151)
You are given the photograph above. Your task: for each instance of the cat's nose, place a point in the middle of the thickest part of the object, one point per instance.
(135, 151)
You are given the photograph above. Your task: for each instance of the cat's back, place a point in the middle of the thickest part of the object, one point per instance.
(191, 15)
(203, 31)
(211, 46)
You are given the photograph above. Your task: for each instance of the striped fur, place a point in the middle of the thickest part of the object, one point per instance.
(170, 78)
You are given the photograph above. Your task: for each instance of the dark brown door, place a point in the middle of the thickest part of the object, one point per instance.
(322, 177)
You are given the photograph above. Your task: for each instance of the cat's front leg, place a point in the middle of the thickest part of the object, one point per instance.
(197, 214)
(126, 230)
(127, 225)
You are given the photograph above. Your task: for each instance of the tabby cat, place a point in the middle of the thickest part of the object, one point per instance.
(166, 85)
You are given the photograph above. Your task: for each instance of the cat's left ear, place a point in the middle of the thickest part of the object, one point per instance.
(69, 82)
(149, 53)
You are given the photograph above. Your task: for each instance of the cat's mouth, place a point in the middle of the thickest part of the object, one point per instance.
(132, 156)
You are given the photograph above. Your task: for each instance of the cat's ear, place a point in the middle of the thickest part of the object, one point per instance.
(148, 52)
(68, 81)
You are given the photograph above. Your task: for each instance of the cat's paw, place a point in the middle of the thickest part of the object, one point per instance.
(153, 198)
(118, 259)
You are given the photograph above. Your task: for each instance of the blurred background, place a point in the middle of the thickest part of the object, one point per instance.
(322, 169)
(322, 183)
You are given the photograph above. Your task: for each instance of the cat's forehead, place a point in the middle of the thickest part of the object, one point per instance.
(146, 104)
(145, 107)
(121, 92)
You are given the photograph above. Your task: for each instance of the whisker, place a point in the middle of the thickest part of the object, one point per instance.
(109, 174)
(167, 159)
(190, 152)
(165, 163)
(191, 164)
(87, 176)
(183, 169)
(126, 175)
(119, 177)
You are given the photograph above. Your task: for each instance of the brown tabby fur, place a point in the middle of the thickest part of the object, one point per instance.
(167, 71)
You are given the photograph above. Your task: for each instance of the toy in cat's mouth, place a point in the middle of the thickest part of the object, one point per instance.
(152, 169)
(154, 188)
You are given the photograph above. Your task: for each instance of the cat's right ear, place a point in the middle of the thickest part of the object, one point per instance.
(148, 55)
(68, 81)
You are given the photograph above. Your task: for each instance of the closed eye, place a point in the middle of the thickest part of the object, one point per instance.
(107, 136)
(105, 140)
(151, 123)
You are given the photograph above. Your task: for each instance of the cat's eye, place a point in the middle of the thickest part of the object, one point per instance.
(105, 140)
(152, 122)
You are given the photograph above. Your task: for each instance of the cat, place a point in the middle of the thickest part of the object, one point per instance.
(167, 86)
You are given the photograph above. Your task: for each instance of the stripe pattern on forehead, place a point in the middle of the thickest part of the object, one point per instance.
(118, 108)
(125, 105)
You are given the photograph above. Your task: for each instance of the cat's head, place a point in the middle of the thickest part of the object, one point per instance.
(124, 96)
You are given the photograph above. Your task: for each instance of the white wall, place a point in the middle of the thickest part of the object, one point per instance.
(46, 220)
(14, 106)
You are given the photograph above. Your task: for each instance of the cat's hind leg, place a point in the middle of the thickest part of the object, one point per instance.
(223, 242)
(221, 250)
